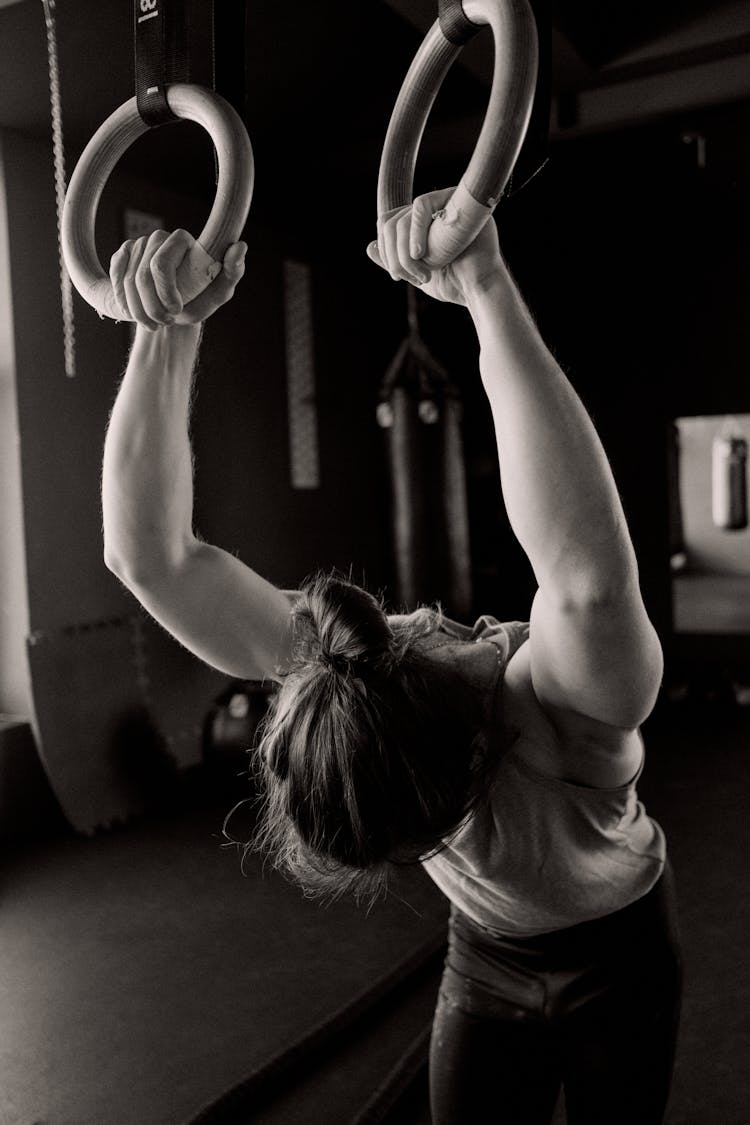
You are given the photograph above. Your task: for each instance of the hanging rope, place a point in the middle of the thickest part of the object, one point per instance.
(66, 289)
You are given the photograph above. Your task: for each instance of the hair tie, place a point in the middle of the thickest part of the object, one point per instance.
(335, 662)
(382, 663)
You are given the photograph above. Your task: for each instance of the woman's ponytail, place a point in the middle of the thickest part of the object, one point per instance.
(367, 754)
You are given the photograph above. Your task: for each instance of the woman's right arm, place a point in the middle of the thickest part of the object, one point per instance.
(215, 605)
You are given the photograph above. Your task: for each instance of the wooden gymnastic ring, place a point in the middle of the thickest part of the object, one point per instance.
(234, 192)
(505, 123)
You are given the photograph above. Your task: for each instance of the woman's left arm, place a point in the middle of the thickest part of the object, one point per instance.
(594, 651)
(595, 657)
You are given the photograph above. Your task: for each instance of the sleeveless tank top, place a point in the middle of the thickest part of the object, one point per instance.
(538, 854)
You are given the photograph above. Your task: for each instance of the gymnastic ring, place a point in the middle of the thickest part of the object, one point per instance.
(506, 120)
(234, 192)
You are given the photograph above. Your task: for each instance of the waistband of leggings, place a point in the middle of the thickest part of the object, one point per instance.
(656, 906)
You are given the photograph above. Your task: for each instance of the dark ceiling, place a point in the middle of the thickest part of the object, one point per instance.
(601, 32)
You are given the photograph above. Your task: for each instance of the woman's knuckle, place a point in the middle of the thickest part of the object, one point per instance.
(159, 267)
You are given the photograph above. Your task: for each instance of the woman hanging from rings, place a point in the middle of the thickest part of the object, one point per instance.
(504, 758)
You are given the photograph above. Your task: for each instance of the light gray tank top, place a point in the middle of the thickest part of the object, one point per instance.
(540, 854)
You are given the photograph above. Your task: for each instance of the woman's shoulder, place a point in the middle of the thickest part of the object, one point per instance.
(564, 746)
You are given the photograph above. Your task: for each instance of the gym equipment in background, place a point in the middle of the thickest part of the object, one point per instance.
(420, 411)
(508, 113)
(428, 478)
(158, 101)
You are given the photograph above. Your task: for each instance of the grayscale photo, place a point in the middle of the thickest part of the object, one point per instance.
(374, 562)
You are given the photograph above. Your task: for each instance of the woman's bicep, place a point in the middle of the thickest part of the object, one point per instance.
(223, 612)
(599, 659)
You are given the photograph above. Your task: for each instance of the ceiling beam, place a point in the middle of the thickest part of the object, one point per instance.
(623, 103)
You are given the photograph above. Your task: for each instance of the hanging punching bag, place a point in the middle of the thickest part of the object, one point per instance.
(429, 507)
(404, 470)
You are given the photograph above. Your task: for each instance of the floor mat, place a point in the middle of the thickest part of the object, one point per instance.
(142, 977)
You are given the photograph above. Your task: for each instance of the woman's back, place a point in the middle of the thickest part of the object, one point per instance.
(545, 849)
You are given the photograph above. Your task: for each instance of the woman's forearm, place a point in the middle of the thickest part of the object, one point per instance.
(147, 480)
(558, 488)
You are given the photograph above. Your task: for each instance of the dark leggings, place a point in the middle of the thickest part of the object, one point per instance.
(593, 1008)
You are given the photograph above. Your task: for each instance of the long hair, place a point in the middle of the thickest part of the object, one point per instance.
(368, 753)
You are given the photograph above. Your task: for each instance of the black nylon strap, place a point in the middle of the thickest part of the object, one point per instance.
(150, 34)
(454, 24)
(173, 43)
